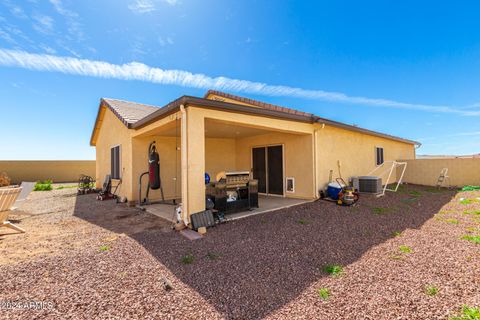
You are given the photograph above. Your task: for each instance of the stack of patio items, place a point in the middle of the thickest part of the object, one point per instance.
(233, 192)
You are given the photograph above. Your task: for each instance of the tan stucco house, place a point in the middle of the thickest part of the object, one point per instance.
(223, 132)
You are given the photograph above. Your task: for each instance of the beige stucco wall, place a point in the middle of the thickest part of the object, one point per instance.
(356, 152)
(113, 132)
(57, 171)
(220, 155)
(170, 172)
(298, 159)
(462, 171)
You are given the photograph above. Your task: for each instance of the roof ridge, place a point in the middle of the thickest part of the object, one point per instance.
(257, 103)
(133, 102)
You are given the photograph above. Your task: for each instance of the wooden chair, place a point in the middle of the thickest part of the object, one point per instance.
(8, 196)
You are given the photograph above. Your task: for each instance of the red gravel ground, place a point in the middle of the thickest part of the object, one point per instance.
(266, 266)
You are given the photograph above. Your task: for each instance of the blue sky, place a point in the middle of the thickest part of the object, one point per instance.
(407, 68)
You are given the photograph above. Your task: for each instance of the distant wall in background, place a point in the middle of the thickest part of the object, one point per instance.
(58, 171)
(462, 171)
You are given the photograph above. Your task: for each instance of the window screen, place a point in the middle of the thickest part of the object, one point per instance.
(115, 162)
(379, 155)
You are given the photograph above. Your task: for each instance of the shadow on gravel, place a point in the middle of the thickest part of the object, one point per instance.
(249, 268)
(116, 217)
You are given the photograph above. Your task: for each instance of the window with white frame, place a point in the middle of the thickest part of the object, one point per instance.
(115, 162)
(379, 156)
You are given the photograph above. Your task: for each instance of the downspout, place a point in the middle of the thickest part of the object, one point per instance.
(315, 138)
(184, 155)
(315, 173)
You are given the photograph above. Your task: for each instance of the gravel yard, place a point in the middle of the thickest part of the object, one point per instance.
(408, 255)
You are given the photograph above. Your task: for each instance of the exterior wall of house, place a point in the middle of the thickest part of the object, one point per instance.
(170, 173)
(355, 151)
(220, 155)
(196, 145)
(113, 132)
(298, 159)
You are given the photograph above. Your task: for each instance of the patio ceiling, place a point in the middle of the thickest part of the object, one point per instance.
(214, 129)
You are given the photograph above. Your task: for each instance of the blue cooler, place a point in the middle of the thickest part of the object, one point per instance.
(333, 189)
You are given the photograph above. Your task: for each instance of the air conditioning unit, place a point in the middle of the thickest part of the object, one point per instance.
(367, 184)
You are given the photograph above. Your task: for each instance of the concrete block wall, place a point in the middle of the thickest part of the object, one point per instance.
(57, 171)
(461, 171)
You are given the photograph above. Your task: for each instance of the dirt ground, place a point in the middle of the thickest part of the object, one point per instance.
(408, 255)
(56, 222)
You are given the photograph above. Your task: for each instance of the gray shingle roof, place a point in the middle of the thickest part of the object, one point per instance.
(129, 112)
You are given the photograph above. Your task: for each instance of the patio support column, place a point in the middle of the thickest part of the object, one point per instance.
(193, 162)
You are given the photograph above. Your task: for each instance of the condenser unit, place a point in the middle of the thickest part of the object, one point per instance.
(367, 184)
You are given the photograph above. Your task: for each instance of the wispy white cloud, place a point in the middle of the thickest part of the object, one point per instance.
(48, 49)
(142, 72)
(6, 36)
(142, 6)
(146, 6)
(15, 10)
(18, 12)
(74, 27)
(43, 24)
(164, 41)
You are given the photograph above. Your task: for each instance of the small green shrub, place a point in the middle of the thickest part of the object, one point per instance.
(431, 290)
(302, 221)
(66, 187)
(104, 248)
(380, 210)
(415, 193)
(474, 239)
(405, 249)
(466, 201)
(452, 221)
(324, 293)
(188, 259)
(212, 256)
(476, 212)
(397, 233)
(446, 212)
(468, 313)
(43, 185)
(333, 269)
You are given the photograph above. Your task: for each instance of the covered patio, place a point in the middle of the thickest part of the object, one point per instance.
(265, 204)
(196, 141)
